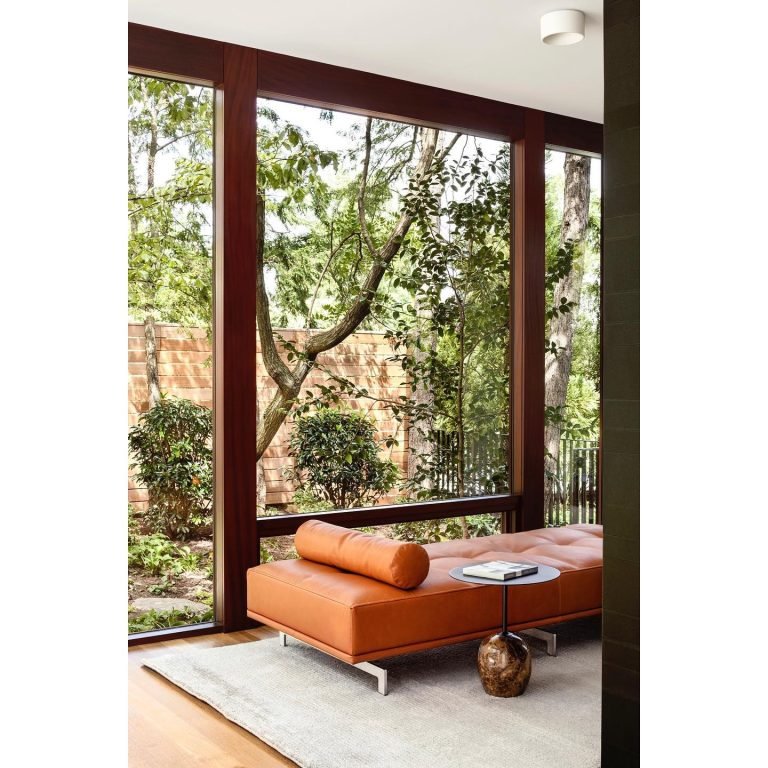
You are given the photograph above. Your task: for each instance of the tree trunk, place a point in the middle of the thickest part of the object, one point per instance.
(261, 490)
(150, 346)
(561, 326)
(150, 339)
(460, 435)
(420, 446)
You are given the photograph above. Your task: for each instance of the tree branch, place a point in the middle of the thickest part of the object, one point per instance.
(276, 368)
(360, 309)
(333, 253)
(361, 192)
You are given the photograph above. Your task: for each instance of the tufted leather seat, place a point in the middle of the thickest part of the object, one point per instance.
(356, 618)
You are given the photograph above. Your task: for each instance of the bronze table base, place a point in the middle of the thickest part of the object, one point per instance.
(504, 664)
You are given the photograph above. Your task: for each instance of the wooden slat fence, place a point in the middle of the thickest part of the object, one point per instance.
(575, 496)
(485, 462)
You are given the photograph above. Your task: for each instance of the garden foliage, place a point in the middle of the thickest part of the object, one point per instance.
(171, 448)
(337, 458)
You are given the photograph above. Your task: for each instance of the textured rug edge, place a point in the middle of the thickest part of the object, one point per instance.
(154, 666)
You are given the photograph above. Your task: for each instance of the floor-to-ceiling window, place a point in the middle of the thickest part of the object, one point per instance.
(170, 353)
(413, 388)
(572, 338)
(383, 362)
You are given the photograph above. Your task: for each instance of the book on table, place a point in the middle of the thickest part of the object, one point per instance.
(501, 570)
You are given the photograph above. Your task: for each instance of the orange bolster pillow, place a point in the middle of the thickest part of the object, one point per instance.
(402, 564)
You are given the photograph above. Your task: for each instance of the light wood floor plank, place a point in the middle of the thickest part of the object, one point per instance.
(168, 728)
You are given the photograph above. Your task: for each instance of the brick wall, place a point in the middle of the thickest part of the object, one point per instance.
(184, 367)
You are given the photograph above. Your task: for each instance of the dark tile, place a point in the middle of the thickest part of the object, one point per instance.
(622, 48)
(620, 627)
(621, 88)
(621, 268)
(621, 440)
(622, 200)
(622, 689)
(621, 414)
(621, 586)
(623, 307)
(618, 756)
(621, 372)
(621, 547)
(616, 334)
(620, 519)
(621, 480)
(621, 227)
(624, 655)
(620, 12)
(621, 118)
(622, 149)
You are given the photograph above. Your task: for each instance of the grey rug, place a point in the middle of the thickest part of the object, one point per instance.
(322, 713)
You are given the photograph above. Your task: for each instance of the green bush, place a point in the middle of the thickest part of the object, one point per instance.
(306, 501)
(429, 531)
(337, 458)
(171, 447)
(156, 555)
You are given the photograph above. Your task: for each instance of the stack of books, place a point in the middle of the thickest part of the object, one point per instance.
(500, 570)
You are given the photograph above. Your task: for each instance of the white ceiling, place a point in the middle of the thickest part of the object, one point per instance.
(485, 47)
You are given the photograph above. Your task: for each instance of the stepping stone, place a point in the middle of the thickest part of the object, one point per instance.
(144, 604)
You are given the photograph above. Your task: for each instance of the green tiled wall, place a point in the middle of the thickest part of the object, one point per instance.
(621, 387)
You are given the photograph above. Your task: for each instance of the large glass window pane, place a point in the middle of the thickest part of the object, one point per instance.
(572, 338)
(170, 276)
(383, 366)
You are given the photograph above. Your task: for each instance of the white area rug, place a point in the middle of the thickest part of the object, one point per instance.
(322, 713)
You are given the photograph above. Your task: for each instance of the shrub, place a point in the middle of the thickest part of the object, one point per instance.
(156, 555)
(337, 458)
(306, 501)
(429, 531)
(171, 446)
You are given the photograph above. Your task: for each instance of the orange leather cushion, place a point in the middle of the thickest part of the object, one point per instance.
(402, 564)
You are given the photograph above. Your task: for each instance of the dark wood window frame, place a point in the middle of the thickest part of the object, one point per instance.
(240, 74)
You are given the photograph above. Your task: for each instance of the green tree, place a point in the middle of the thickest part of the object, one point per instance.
(363, 229)
(450, 336)
(169, 204)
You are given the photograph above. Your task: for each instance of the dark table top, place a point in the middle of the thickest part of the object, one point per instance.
(546, 573)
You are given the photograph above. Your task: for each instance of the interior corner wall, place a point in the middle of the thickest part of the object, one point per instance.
(621, 386)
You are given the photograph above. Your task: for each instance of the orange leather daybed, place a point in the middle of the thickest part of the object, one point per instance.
(358, 619)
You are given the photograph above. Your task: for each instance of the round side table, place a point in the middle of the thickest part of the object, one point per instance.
(504, 659)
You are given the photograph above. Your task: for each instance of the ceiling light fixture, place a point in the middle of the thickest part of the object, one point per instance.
(562, 27)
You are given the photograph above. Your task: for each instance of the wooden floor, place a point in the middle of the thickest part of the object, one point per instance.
(168, 728)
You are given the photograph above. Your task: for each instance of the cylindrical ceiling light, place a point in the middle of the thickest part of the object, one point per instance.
(562, 27)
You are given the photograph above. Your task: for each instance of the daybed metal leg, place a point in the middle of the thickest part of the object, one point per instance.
(541, 634)
(379, 673)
